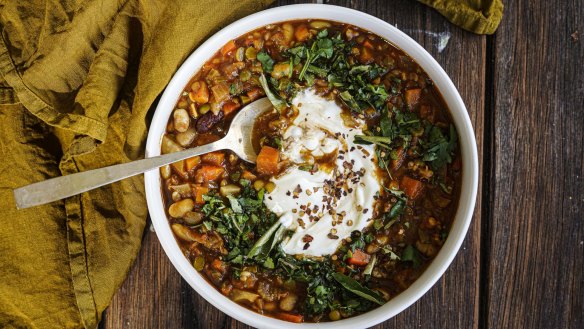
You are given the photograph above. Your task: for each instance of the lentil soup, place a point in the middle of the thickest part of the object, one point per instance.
(356, 183)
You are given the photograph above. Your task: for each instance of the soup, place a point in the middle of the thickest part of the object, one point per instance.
(356, 183)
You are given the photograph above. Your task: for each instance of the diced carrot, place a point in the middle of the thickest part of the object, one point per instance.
(426, 112)
(226, 288)
(367, 44)
(393, 185)
(218, 265)
(413, 97)
(214, 158)
(248, 175)
(191, 163)
(411, 187)
(301, 33)
(199, 92)
(401, 155)
(198, 192)
(230, 107)
(229, 47)
(267, 161)
(296, 318)
(359, 258)
(366, 55)
(208, 173)
(255, 93)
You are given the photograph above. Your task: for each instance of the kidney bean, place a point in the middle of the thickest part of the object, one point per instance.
(207, 121)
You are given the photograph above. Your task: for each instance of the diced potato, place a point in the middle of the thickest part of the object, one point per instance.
(288, 31)
(165, 171)
(199, 92)
(281, 70)
(229, 189)
(183, 189)
(179, 169)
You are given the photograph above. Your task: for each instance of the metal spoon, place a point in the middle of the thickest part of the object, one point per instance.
(238, 140)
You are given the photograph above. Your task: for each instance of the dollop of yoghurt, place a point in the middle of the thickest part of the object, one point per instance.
(322, 207)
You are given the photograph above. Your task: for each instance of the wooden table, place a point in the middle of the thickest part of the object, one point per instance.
(522, 261)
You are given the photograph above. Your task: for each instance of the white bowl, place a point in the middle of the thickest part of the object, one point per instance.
(390, 33)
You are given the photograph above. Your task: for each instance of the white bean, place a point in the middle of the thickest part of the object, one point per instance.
(193, 217)
(180, 208)
(182, 120)
(182, 232)
(169, 146)
(287, 303)
(187, 137)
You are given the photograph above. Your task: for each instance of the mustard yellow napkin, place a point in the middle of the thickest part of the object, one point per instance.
(478, 16)
(77, 81)
(79, 78)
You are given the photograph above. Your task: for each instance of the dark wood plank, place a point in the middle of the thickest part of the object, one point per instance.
(536, 252)
(154, 295)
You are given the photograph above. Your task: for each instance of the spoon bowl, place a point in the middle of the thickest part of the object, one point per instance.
(238, 140)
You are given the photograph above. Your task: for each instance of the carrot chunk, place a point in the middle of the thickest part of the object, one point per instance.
(411, 187)
(218, 265)
(208, 173)
(359, 258)
(413, 97)
(367, 44)
(366, 55)
(248, 175)
(296, 318)
(191, 163)
(230, 107)
(267, 161)
(198, 192)
(255, 93)
(301, 33)
(229, 47)
(213, 158)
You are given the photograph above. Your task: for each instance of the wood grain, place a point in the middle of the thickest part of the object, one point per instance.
(155, 296)
(535, 247)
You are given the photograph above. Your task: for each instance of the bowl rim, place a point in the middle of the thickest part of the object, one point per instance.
(385, 30)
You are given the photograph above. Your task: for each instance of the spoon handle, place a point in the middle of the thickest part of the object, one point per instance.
(65, 186)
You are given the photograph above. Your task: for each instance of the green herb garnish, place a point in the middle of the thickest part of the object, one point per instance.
(355, 287)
